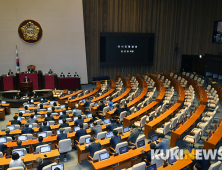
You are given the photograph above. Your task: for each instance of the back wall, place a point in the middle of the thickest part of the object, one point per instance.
(62, 47)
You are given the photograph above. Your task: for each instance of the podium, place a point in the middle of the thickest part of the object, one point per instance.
(26, 87)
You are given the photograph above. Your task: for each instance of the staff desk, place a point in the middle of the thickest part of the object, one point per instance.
(83, 154)
(62, 100)
(2, 113)
(32, 157)
(107, 164)
(151, 126)
(214, 139)
(14, 132)
(71, 103)
(130, 119)
(177, 134)
(7, 107)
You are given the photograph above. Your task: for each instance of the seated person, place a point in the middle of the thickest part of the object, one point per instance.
(16, 161)
(15, 121)
(80, 132)
(110, 102)
(45, 127)
(26, 107)
(77, 112)
(198, 166)
(87, 103)
(64, 115)
(96, 128)
(133, 135)
(26, 79)
(93, 146)
(40, 138)
(69, 75)
(93, 118)
(62, 135)
(54, 104)
(76, 75)
(111, 125)
(32, 120)
(115, 139)
(27, 130)
(35, 111)
(64, 124)
(30, 69)
(205, 163)
(34, 94)
(62, 75)
(53, 109)
(125, 108)
(101, 106)
(2, 147)
(41, 106)
(49, 117)
(79, 120)
(50, 71)
(118, 110)
(7, 131)
(42, 163)
(148, 156)
(20, 114)
(19, 145)
(10, 72)
(163, 143)
(17, 96)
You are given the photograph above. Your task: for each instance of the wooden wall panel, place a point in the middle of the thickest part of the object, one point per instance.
(186, 23)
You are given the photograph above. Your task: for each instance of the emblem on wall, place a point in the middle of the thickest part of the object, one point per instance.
(30, 31)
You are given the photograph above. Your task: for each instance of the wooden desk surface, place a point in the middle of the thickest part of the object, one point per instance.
(70, 95)
(14, 132)
(126, 92)
(120, 158)
(37, 107)
(31, 157)
(184, 127)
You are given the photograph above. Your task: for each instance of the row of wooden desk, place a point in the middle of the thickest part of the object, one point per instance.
(62, 100)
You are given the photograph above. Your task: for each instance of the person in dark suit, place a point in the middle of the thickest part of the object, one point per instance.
(19, 145)
(34, 94)
(7, 131)
(198, 166)
(26, 79)
(2, 147)
(16, 162)
(62, 135)
(76, 75)
(93, 118)
(45, 127)
(77, 112)
(64, 124)
(40, 138)
(54, 104)
(62, 75)
(69, 75)
(93, 147)
(101, 106)
(53, 109)
(79, 120)
(50, 71)
(64, 115)
(32, 120)
(80, 132)
(35, 111)
(30, 70)
(15, 121)
(10, 72)
(148, 156)
(41, 106)
(96, 128)
(118, 110)
(112, 125)
(87, 103)
(42, 163)
(125, 108)
(27, 129)
(49, 117)
(133, 136)
(115, 139)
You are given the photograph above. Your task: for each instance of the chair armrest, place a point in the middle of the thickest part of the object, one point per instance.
(147, 161)
(132, 143)
(57, 146)
(113, 150)
(5, 155)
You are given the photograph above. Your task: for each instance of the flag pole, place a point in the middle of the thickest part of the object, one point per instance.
(17, 60)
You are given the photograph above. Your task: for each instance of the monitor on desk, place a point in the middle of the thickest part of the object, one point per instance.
(60, 121)
(60, 166)
(23, 111)
(30, 126)
(75, 118)
(3, 140)
(23, 137)
(38, 110)
(3, 102)
(62, 106)
(104, 101)
(43, 134)
(144, 105)
(42, 99)
(11, 127)
(87, 140)
(38, 104)
(125, 129)
(91, 125)
(83, 100)
(154, 137)
(141, 143)
(58, 132)
(177, 125)
(104, 156)
(151, 167)
(106, 121)
(89, 115)
(120, 105)
(111, 108)
(127, 101)
(96, 104)
(19, 151)
(77, 89)
(60, 113)
(49, 108)
(32, 101)
(172, 159)
(123, 149)
(51, 102)
(19, 118)
(45, 149)
(76, 128)
(73, 110)
(109, 134)
(28, 105)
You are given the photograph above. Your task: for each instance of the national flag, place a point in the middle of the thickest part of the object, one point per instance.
(17, 60)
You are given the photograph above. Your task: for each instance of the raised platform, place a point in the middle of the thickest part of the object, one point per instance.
(8, 96)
